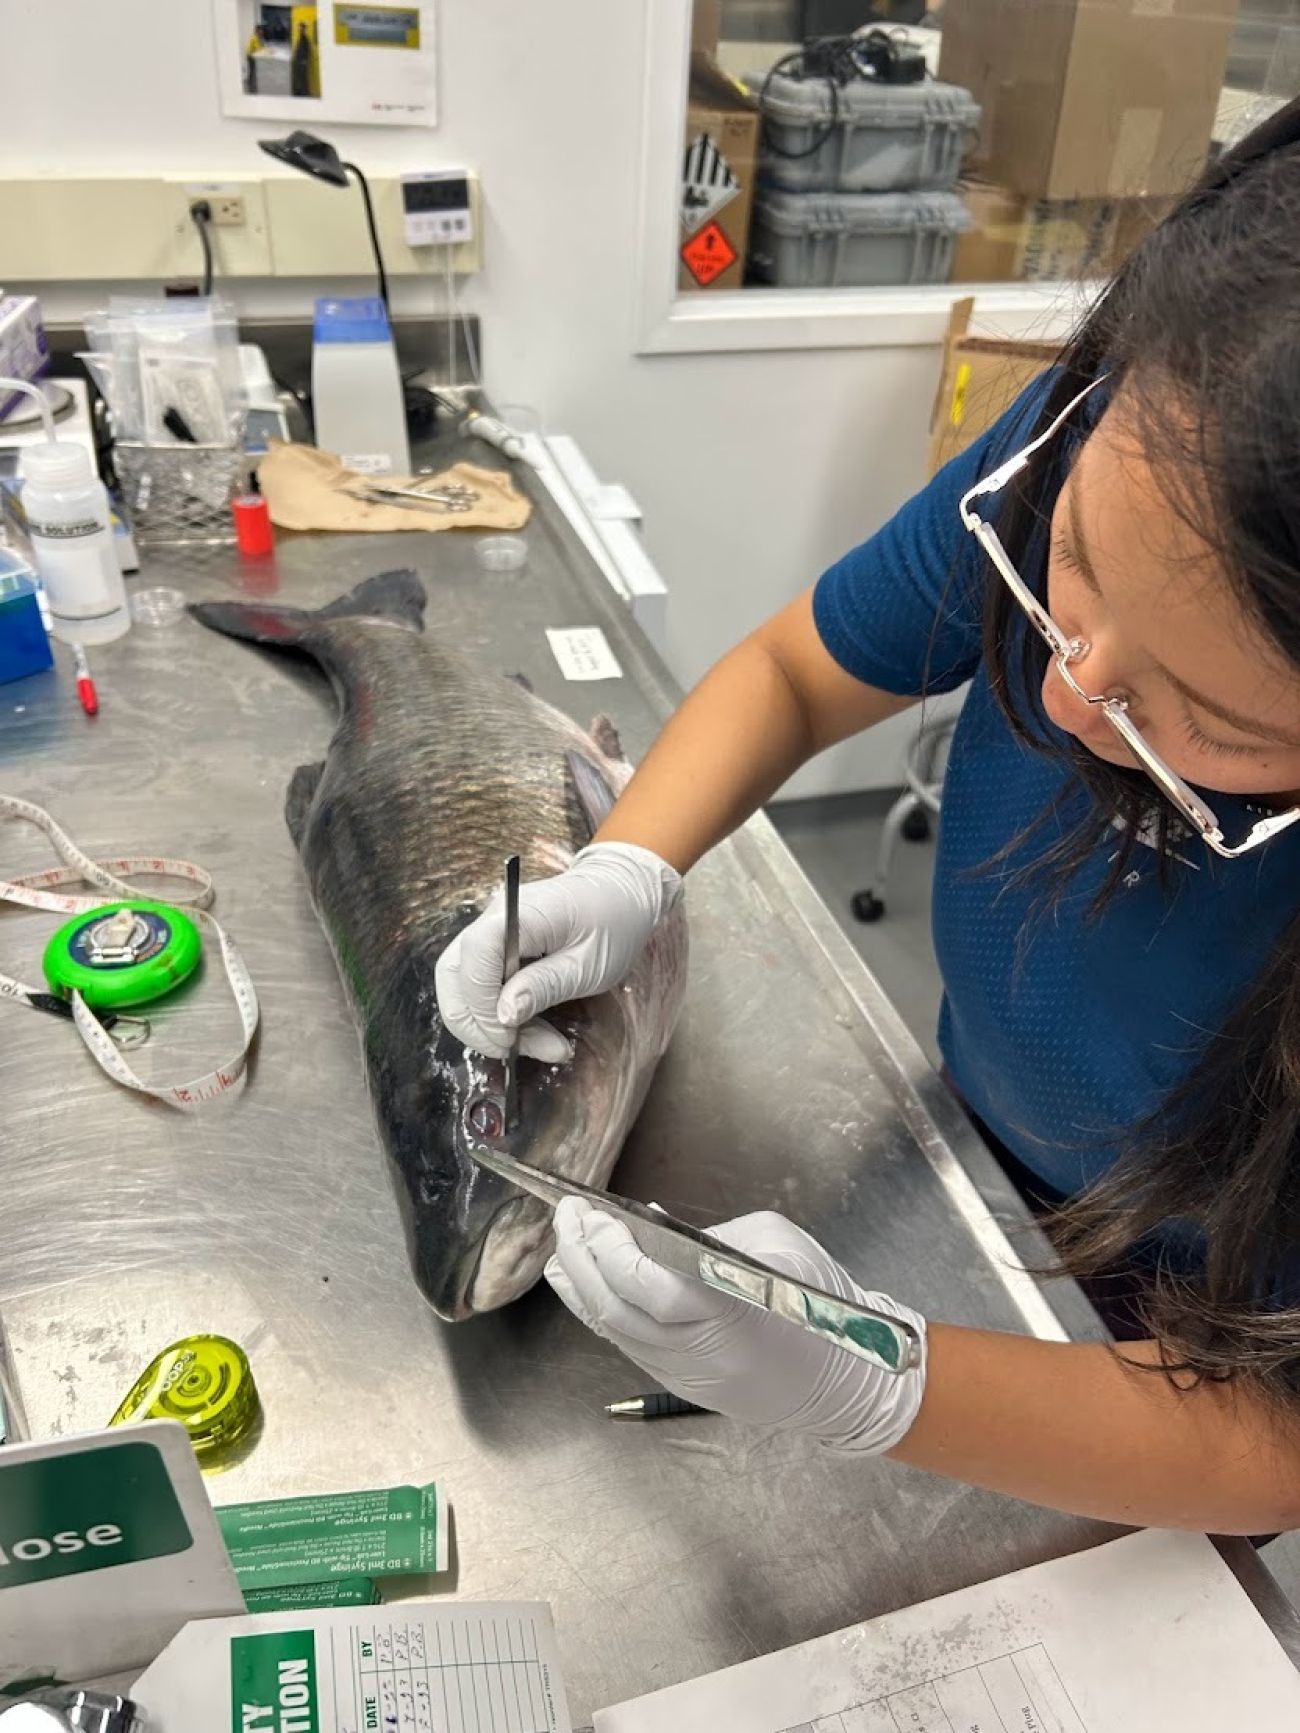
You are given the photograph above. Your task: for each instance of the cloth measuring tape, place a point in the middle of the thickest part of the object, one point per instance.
(38, 891)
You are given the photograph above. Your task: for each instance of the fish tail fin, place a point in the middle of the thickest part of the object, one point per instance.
(394, 596)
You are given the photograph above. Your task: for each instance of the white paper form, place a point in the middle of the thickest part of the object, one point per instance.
(411, 1667)
(481, 1673)
(1150, 1632)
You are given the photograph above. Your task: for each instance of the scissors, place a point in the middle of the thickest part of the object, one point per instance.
(890, 1343)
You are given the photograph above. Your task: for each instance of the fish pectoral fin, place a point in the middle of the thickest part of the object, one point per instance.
(595, 796)
(297, 802)
(604, 733)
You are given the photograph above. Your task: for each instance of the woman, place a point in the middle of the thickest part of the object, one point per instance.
(1116, 896)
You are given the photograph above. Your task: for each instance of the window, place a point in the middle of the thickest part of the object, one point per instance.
(846, 146)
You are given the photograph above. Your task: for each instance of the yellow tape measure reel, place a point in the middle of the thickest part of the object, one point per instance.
(206, 1383)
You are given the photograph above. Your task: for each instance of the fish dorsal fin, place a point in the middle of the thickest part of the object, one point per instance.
(595, 796)
(604, 733)
(397, 595)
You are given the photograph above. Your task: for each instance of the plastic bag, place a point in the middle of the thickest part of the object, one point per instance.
(172, 374)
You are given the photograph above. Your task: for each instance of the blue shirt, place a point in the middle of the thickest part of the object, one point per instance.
(1062, 1031)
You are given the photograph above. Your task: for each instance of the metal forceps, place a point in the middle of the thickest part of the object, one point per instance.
(451, 497)
(890, 1343)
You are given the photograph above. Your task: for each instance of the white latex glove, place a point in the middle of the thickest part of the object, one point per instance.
(585, 928)
(724, 1354)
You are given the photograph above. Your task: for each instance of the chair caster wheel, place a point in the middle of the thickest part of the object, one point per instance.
(866, 906)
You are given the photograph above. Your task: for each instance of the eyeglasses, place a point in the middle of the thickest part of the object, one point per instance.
(1065, 650)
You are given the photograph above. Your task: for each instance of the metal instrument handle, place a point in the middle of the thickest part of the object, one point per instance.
(510, 967)
(891, 1343)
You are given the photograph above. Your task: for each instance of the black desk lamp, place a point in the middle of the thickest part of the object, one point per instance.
(312, 156)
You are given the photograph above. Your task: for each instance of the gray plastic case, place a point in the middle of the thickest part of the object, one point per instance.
(889, 137)
(854, 240)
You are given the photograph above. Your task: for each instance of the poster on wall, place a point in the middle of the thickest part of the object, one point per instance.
(325, 62)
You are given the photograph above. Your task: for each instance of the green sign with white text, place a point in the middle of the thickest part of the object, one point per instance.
(64, 1515)
(273, 1683)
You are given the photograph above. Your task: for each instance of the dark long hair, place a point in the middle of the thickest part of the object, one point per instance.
(1201, 331)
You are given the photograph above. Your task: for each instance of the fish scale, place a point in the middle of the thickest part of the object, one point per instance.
(438, 769)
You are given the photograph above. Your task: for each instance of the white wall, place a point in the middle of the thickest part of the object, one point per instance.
(754, 470)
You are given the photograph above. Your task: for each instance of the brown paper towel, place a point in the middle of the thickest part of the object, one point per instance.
(308, 489)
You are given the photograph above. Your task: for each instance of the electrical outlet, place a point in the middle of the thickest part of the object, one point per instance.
(228, 213)
(225, 201)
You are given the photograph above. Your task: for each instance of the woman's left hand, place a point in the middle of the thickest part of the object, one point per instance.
(725, 1354)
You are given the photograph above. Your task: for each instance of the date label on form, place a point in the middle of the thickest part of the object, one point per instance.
(583, 653)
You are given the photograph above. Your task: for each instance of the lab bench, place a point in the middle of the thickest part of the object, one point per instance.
(666, 1550)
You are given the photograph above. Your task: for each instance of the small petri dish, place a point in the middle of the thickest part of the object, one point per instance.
(159, 605)
(502, 553)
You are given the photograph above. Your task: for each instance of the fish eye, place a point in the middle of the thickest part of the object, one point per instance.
(485, 1118)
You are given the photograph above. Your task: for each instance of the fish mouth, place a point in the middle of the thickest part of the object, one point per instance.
(499, 1267)
(512, 1254)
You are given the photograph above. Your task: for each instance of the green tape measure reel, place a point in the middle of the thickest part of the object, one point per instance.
(206, 1383)
(123, 954)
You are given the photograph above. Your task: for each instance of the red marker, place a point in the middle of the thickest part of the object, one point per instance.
(85, 685)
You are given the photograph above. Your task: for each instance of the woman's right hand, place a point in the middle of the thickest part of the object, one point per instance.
(581, 931)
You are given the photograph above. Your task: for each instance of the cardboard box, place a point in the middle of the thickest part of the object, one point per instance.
(982, 376)
(718, 171)
(1090, 99)
(1014, 238)
(706, 27)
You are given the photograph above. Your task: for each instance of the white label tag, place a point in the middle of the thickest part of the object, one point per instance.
(583, 653)
(369, 462)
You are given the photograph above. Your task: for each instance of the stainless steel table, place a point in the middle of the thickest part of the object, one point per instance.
(666, 1550)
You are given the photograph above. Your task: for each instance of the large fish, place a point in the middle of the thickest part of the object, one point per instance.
(436, 772)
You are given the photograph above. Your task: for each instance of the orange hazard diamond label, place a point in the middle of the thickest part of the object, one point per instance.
(708, 254)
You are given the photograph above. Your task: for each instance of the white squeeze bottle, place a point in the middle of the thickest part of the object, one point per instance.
(72, 538)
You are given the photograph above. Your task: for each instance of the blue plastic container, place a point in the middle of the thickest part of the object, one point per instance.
(24, 643)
